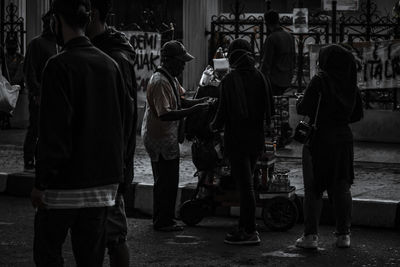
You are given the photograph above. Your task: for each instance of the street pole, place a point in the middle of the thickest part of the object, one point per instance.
(237, 18)
(2, 55)
(300, 58)
(267, 5)
(334, 7)
(2, 9)
(368, 20)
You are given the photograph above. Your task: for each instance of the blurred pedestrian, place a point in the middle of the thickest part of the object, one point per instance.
(12, 71)
(245, 104)
(328, 155)
(80, 145)
(39, 50)
(279, 54)
(117, 46)
(162, 130)
(14, 60)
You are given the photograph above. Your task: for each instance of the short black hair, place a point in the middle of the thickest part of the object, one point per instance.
(271, 17)
(103, 6)
(75, 12)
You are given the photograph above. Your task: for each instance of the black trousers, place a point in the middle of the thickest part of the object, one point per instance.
(32, 132)
(166, 180)
(339, 195)
(88, 236)
(242, 170)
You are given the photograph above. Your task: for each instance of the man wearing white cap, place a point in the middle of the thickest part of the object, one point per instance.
(162, 130)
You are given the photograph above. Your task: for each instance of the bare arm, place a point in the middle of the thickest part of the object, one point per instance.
(175, 115)
(187, 103)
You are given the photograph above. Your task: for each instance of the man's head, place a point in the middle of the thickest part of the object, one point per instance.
(102, 8)
(69, 16)
(46, 19)
(11, 43)
(174, 56)
(271, 18)
(99, 13)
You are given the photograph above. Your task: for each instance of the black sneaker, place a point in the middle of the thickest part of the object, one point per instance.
(242, 238)
(233, 232)
(169, 228)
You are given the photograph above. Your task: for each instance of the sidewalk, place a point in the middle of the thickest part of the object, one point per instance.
(376, 190)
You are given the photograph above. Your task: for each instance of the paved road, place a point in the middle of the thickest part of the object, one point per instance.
(203, 246)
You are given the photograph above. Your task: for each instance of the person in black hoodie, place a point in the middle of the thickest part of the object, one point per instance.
(117, 46)
(40, 49)
(81, 142)
(245, 103)
(328, 155)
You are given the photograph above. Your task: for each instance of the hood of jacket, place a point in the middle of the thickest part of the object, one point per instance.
(112, 40)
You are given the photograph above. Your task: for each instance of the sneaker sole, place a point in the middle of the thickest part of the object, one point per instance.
(307, 247)
(343, 246)
(243, 243)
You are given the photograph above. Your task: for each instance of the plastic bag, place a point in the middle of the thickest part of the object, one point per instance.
(207, 76)
(8, 95)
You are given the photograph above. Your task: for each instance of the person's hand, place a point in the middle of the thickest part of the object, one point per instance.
(204, 99)
(37, 198)
(200, 107)
(36, 100)
(211, 101)
(211, 128)
(299, 95)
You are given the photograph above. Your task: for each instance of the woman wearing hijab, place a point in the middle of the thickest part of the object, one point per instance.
(328, 155)
(245, 102)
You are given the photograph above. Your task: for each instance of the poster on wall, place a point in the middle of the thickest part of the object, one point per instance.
(341, 5)
(300, 20)
(378, 63)
(147, 46)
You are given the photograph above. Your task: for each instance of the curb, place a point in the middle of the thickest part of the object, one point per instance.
(3, 181)
(366, 212)
(139, 199)
(20, 184)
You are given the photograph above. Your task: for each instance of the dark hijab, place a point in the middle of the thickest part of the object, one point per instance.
(240, 55)
(241, 61)
(339, 74)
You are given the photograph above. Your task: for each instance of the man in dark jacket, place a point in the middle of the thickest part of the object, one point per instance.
(117, 46)
(278, 55)
(40, 49)
(81, 143)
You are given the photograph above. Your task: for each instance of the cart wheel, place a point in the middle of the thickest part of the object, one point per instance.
(280, 214)
(192, 211)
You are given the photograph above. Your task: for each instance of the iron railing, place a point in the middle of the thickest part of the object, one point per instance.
(324, 28)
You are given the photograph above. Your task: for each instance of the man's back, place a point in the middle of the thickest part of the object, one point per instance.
(81, 118)
(279, 58)
(40, 49)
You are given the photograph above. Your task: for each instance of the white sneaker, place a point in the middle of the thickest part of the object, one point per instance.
(343, 241)
(308, 241)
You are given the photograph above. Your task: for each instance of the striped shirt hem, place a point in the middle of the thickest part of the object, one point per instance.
(94, 197)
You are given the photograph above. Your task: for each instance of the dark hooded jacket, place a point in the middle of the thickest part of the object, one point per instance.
(245, 103)
(331, 145)
(81, 123)
(117, 46)
(39, 50)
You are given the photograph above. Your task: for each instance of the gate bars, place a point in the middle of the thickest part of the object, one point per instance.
(324, 28)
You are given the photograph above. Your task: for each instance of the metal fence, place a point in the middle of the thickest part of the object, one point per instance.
(10, 24)
(324, 28)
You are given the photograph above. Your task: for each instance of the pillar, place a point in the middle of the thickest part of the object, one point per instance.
(196, 21)
(34, 11)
